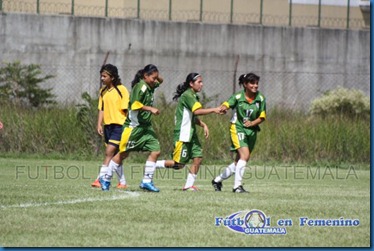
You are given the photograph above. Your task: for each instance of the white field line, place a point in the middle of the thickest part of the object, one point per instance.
(121, 196)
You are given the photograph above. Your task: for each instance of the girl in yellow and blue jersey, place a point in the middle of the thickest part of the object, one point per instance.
(249, 107)
(113, 106)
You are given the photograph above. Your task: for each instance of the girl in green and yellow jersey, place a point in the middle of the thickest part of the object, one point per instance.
(249, 111)
(138, 133)
(186, 143)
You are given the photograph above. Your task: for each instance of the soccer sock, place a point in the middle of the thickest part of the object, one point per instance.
(190, 180)
(226, 173)
(239, 172)
(160, 164)
(149, 170)
(106, 173)
(120, 174)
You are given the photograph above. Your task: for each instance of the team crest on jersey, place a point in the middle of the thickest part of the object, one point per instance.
(144, 88)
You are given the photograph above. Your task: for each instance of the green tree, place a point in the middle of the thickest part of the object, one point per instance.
(19, 84)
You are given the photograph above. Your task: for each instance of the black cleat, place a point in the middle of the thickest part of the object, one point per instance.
(239, 189)
(217, 186)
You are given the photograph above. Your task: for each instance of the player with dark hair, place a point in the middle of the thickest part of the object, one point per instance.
(113, 105)
(249, 107)
(138, 133)
(186, 143)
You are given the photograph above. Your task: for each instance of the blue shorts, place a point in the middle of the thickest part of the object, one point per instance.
(112, 134)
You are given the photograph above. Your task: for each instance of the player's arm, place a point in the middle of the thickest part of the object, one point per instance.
(204, 126)
(137, 101)
(255, 122)
(100, 118)
(198, 110)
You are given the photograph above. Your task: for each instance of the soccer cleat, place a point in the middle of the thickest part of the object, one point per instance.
(120, 186)
(149, 187)
(191, 189)
(239, 189)
(96, 183)
(104, 184)
(217, 186)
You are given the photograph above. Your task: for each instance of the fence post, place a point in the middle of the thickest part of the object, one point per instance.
(290, 14)
(1, 5)
(72, 7)
(201, 10)
(261, 10)
(231, 11)
(106, 8)
(319, 13)
(170, 9)
(138, 15)
(38, 6)
(348, 10)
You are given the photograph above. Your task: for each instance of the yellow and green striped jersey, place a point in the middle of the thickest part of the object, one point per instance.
(185, 126)
(246, 110)
(141, 95)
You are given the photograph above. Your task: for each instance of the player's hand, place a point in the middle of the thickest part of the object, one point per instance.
(248, 123)
(160, 79)
(100, 130)
(154, 111)
(206, 130)
(223, 109)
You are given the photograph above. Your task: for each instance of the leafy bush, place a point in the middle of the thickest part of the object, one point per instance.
(20, 85)
(342, 101)
(87, 120)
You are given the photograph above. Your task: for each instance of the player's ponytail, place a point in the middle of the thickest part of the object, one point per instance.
(181, 88)
(148, 70)
(248, 78)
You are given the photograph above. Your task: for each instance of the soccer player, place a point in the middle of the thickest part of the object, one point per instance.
(138, 133)
(113, 105)
(186, 143)
(249, 107)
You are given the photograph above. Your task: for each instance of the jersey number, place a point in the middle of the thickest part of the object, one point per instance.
(184, 153)
(130, 144)
(248, 113)
(240, 135)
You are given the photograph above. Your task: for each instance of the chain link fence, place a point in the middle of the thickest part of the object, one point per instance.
(263, 12)
(293, 90)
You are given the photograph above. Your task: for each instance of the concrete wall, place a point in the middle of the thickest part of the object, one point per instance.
(295, 64)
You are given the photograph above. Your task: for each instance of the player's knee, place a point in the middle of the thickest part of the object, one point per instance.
(178, 166)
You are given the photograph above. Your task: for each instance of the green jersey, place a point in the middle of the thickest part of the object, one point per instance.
(185, 126)
(141, 95)
(246, 110)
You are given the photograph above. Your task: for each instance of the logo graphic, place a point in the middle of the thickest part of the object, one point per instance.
(252, 222)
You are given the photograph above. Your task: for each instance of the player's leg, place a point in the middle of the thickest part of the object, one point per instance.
(244, 154)
(175, 163)
(112, 137)
(195, 152)
(247, 146)
(115, 164)
(227, 172)
(192, 175)
(114, 141)
(150, 143)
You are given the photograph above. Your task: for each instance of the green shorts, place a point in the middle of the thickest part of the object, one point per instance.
(139, 139)
(242, 139)
(184, 151)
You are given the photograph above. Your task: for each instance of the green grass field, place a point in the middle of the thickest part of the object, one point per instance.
(49, 203)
